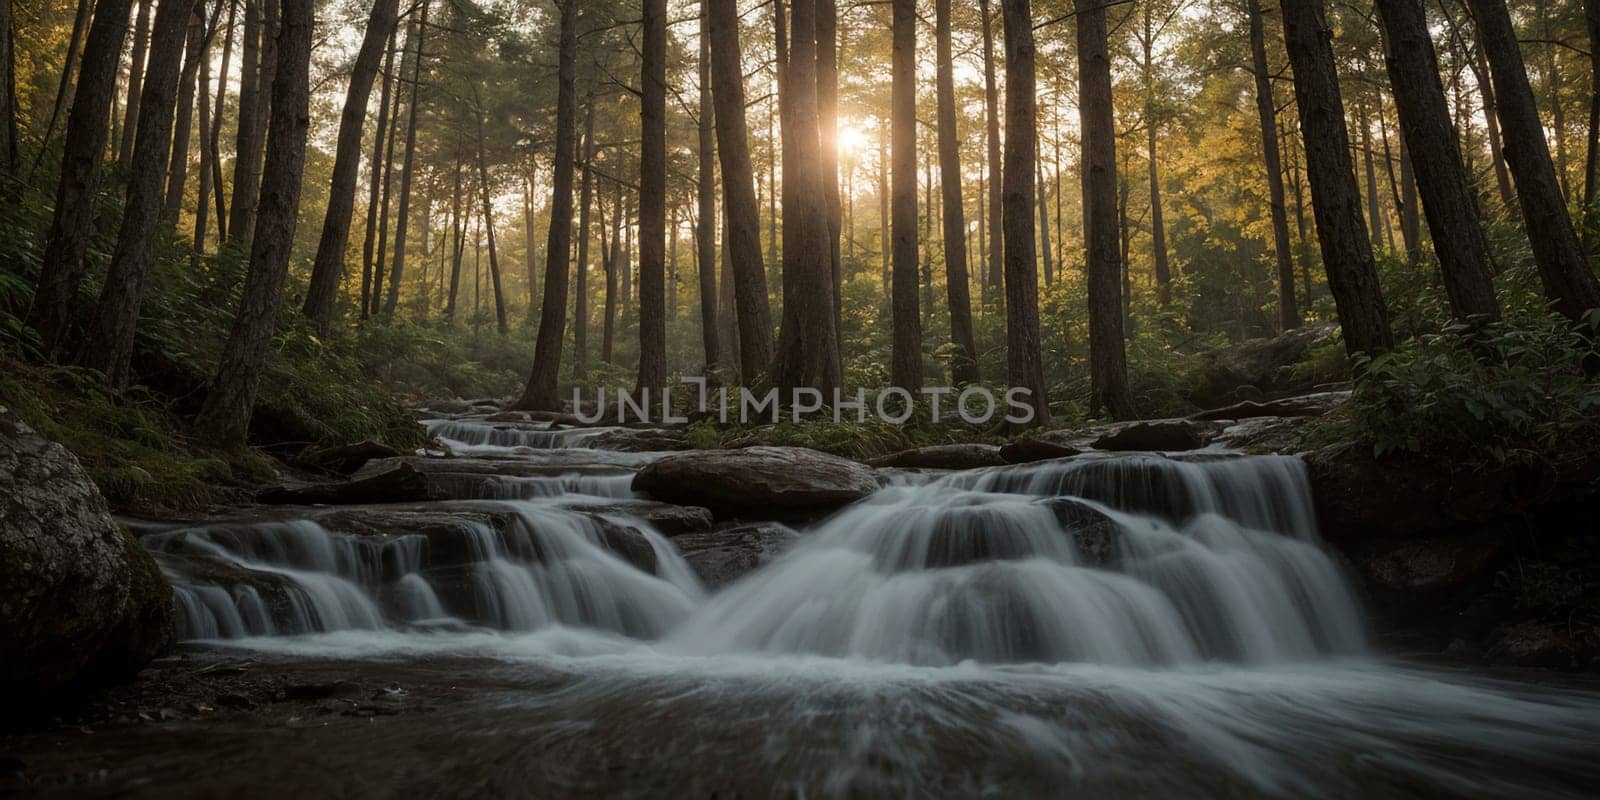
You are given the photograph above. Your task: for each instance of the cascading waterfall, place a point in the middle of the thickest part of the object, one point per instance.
(469, 436)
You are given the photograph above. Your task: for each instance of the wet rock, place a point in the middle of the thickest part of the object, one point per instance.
(772, 480)
(1032, 448)
(724, 555)
(1534, 644)
(78, 598)
(1305, 405)
(1430, 569)
(507, 416)
(1171, 435)
(628, 543)
(1262, 434)
(668, 519)
(344, 459)
(1252, 369)
(452, 534)
(1095, 534)
(639, 440)
(943, 456)
(398, 484)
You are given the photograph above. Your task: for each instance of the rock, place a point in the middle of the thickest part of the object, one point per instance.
(1159, 436)
(1534, 644)
(399, 484)
(1031, 449)
(1095, 535)
(345, 459)
(79, 601)
(724, 555)
(666, 518)
(943, 456)
(1262, 434)
(639, 440)
(1429, 569)
(629, 544)
(770, 480)
(1305, 405)
(1253, 369)
(507, 416)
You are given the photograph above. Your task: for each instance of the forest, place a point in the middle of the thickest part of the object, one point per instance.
(322, 318)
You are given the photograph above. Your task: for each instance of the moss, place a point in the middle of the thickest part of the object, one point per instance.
(145, 625)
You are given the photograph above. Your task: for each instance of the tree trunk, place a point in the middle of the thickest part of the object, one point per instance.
(458, 246)
(1591, 162)
(1447, 197)
(705, 229)
(741, 209)
(811, 339)
(653, 200)
(1108, 367)
(1335, 198)
(1374, 211)
(385, 166)
(488, 219)
(1158, 228)
(995, 281)
(1267, 112)
(225, 417)
(108, 344)
(527, 239)
(1024, 369)
(610, 254)
(906, 360)
(415, 39)
(214, 135)
(828, 144)
(8, 101)
(1042, 205)
(541, 391)
(328, 270)
(580, 301)
(254, 96)
(136, 66)
(203, 102)
(964, 366)
(64, 89)
(61, 270)
(375, 180)
(1568, 281)
(188, 80)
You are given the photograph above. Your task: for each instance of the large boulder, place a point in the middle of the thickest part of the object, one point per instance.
(401, 483)
(1161, 435)
(724, 555)
(943, 456)
(774, 481)
(79, 600)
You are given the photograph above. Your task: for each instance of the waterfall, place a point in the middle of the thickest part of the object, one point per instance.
(470, 436)
(1116, 561)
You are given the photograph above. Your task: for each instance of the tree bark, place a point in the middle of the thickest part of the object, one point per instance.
(108, 345)
(995, 281)
(541, 391)
(1374, 211)
(1335, 197)
(415, 38)
(61, 271)
(610, 254)
(214, 135)
(580, 300)
(254, 97)
(1024, 368)
(1568, 281)
(1108, 366)
(1447, 197)
(8, 100)
(1267, 112)
(828, 144)
(136, 66)
(64, 89)
(327, 270)
(202, 205)
(1591, 161)
(964, 367)
(183, 123)
(457, 245)
(705, 229)
(1158, 228)
(1042, 205)
(653, 200)
(225, 417)
(488, 221)
(906, 358)
(375, 180)
(741, 208)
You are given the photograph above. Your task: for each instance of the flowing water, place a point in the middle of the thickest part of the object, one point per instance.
(1120, 625)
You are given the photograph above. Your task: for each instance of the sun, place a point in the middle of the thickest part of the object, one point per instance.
(851, 139)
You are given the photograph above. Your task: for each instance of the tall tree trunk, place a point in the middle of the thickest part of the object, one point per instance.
(254, 97)
(906, 359)
(740, 207)
(203, 102)
(828, 144)
(653, 200)
(1591, 159)
(610, 254)
(705, 229)
(188, 81)
(488, 227)
(8, 101)
(214, 135)
(225, 417)
(1491, 116)
(1335, 197)
(415, 38)
(327, 270)
(458, 246)
(108, 344)
(1410, 215)
(1024, 368)
(61, 270)
(580, 301)
(527, 239)
(995, 280)
(386, 171)
(541, 391)
(1267, 112)
(1158, 227)
(964, 367)
(136, 66)
(1568, 281)
(1374, 211)
(1447, 197)
(64, 88)
(1042, 205)
(375, 181)
(1108, 367)
(810, 340)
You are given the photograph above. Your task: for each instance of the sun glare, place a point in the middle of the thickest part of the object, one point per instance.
(851, 139)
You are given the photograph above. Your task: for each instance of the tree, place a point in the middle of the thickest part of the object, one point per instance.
(1335, 197)
(1267, 112)
(995, 276)
(376, 183)
(414, 40)
(905, 368)
(580, 305)
(1568, 281)
(225, 416)
(753, 314)
(541, 391)
(828, 143)
(328, 269)
(183, 123)
(214, 135)
(255, 90)
(136, 66)
(1158, 228)
(1435, 156)
(964, 368)
(1024, 367)
(653, 200)
(1108, 363)
(61, 270)
(108, 344)
(488, 227)
(705, 229)
(8, 98)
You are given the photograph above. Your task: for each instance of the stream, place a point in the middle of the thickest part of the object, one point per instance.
(1106, 625)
